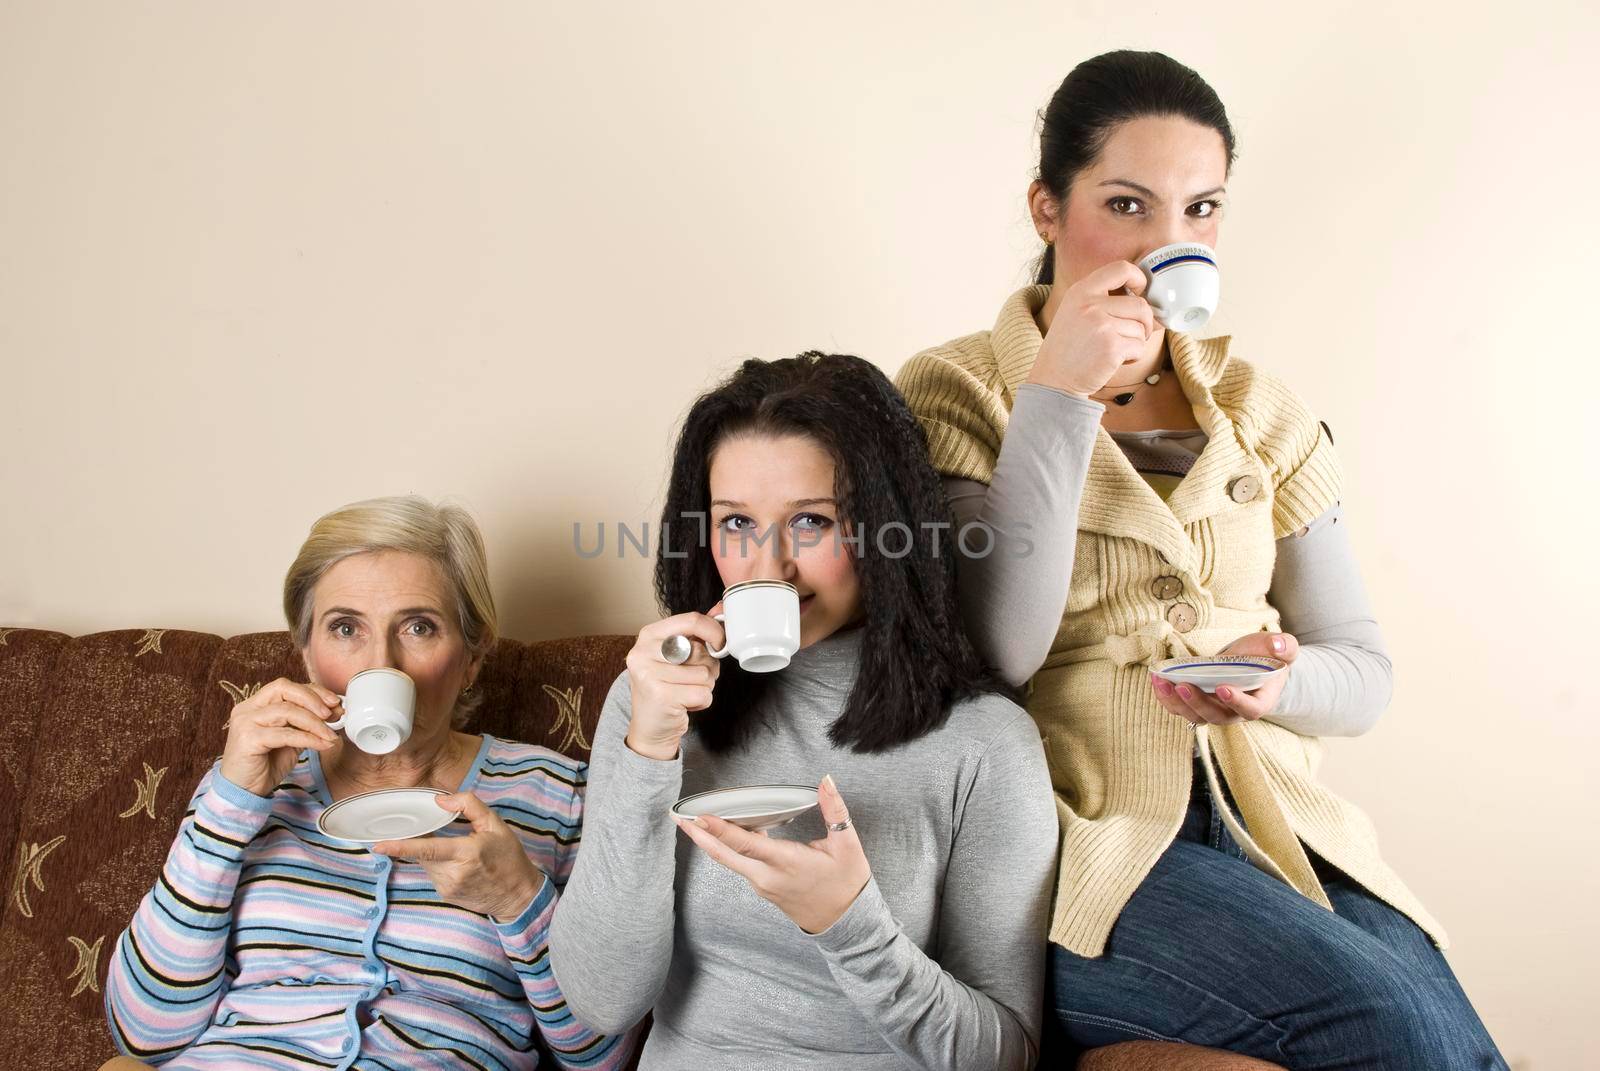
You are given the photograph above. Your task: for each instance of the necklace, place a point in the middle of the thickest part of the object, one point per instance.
(1127, 396)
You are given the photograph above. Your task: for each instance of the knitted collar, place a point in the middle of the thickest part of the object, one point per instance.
(1117, 501)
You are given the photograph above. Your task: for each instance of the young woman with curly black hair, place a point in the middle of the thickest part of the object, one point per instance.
(907, 929)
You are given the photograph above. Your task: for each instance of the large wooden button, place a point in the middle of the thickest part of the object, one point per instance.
(1182, 617)
(1244, 488)
(1166, 587)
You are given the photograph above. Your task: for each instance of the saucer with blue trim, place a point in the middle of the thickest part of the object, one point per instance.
(1244, 672)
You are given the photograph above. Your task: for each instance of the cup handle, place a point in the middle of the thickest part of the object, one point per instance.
(340, 723)
(712, 651)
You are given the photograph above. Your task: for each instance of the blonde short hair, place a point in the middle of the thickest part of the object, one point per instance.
(444, 534)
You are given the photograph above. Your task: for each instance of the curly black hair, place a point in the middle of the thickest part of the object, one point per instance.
(916, 659)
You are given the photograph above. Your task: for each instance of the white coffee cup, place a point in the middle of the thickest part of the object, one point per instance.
(379, 708)
(1182, 284)
(762, 621)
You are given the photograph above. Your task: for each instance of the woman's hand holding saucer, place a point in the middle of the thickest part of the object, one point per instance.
(814, 884)
(1229, 705)
(267, 731)
(486, 871)
(664, 693)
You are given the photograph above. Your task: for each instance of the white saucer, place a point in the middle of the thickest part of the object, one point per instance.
(389, 814)
(753, 806)
(1244, 672)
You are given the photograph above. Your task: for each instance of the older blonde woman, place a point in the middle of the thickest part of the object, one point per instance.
(265, 944)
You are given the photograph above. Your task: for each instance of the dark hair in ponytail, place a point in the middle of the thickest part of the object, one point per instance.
(916, 659)
(1103, 92)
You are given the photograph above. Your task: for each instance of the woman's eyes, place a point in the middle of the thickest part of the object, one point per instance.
(346, 629)
(812, 522)
(1132, 206)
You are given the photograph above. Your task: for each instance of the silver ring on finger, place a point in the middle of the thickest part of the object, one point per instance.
(839, 827)
(675, 650)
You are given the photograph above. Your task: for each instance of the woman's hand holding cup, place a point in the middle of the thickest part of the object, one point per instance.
(663, 693)
(267, 732)
(1094, 330)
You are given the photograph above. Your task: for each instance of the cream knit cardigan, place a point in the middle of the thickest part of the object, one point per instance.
(1121, 765)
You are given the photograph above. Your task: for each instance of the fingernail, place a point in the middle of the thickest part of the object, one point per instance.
(1183, 690)
(1277, 644)
(827, 779)
(1225, 693)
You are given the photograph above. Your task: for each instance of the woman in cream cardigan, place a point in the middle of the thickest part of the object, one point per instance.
(1133, 493)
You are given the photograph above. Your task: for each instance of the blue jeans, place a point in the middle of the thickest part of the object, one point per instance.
(1213, 952)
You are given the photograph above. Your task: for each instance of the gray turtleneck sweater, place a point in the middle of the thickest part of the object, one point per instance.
(939, 962)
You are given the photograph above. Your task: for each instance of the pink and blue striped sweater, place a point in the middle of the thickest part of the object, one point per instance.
(265, 944)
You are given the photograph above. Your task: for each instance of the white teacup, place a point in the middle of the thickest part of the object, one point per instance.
(1182, 284)
(762, 622)
(379, 708)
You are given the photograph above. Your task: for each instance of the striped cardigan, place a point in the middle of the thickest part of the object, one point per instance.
(265, 944)
(1153, 579)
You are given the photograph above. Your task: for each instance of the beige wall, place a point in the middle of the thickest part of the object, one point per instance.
(257, 260)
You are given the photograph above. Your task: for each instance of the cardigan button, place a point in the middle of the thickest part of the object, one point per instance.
(1182, 617)
(1244, 489)
(1166, 587)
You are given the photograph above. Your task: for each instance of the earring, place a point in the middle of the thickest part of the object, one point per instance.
(469, 687)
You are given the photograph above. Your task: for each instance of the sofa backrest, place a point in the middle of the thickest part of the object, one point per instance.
(27, 657)
(102, 740)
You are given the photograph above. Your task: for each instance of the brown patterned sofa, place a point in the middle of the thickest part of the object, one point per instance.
(102, 739)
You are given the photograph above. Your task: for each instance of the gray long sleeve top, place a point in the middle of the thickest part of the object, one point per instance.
(939, 962)
(1012, 602)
